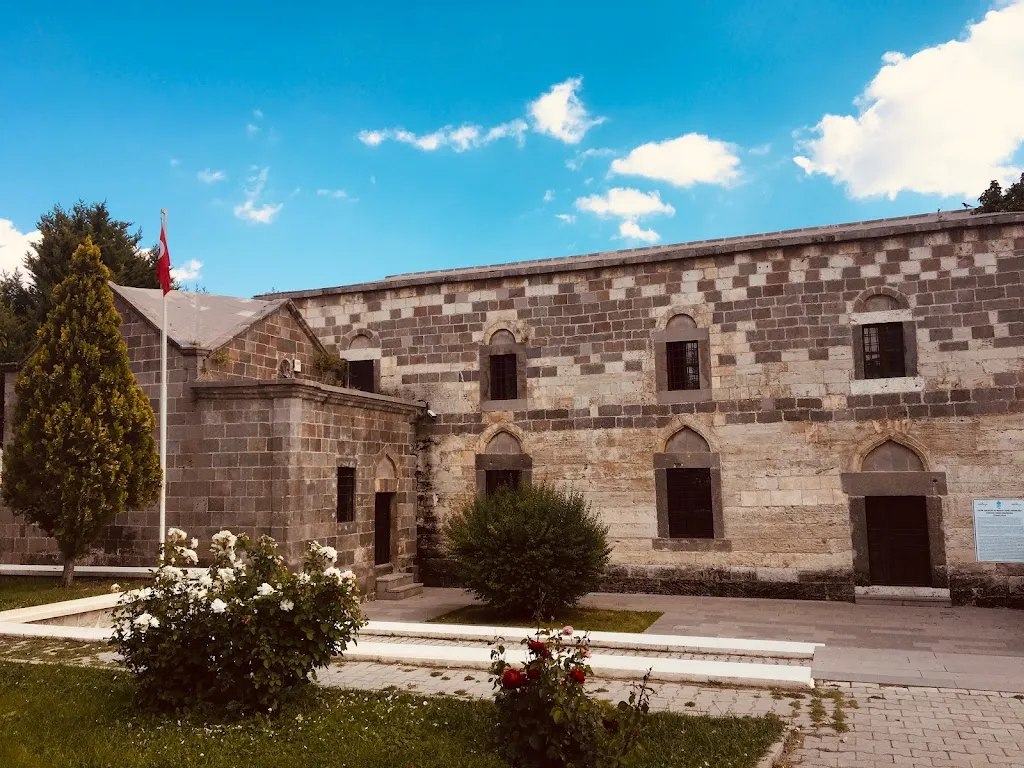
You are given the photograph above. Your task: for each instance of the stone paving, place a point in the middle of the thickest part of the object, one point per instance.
(844, 725)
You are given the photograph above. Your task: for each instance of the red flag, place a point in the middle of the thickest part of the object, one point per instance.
(163, 264)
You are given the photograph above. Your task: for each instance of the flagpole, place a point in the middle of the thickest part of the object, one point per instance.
(163, 405)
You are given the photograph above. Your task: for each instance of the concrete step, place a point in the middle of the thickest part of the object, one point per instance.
(604, 665)
(400, 593)
(924, 597)
(393, 581)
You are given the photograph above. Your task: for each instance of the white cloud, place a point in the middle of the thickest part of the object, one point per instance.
(944, 121)
(760, 149)
(252, 128)
(336, 194)
(258, 114)
(568, 218)
(467, 136)
(561, 114)
(187, 271)
(175, 162)
(373, 179)
(549, 195)
(251, 211)
(683, 161)
(209, 176)
(14, 245)
(576, 162)
(626, 203)
(630, 230)
(629, 205)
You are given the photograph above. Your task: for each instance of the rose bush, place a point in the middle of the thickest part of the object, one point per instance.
(546, 718)
(241, 635)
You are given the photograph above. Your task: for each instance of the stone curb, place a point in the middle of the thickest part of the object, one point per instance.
(776, 750)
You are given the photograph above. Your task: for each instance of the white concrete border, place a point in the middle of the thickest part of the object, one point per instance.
(63, 608)
(90, 571)
(605, 666)
(618, 640)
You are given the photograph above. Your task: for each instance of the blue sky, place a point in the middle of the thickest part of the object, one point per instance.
(298, 146)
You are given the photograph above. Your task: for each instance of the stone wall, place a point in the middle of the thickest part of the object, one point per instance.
(784, 413)
(267, 459)
(257, 352)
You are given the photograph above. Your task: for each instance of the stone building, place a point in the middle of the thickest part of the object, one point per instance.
(256, 444)
(790, 414)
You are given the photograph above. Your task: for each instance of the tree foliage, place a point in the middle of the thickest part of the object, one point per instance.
(528, 551)
(997, 200)
(82, 447)
(49, 263)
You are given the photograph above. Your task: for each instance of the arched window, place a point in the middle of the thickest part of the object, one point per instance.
(502, 372)
(682, 361)
(688, 487)
(363, 357)
(884, 336)
(890, 456)
(502, 463)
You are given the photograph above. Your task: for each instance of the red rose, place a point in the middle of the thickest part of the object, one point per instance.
(512, 678)
(533, 673)
(537, 647)
(578, 675)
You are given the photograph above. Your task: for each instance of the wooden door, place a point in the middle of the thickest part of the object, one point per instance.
(898, 553)
(382, 528)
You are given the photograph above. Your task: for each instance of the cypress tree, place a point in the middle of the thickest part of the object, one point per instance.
(82, 447)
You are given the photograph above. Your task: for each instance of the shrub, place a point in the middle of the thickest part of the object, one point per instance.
(546, 719)
(528, 551)
(244, 634)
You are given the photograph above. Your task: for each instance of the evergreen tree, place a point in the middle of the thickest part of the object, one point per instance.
(50, 262)
(82, 447)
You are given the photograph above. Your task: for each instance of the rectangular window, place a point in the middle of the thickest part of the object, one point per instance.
(883, 351)
(689, 504)
(683, 363)
(503, 377)
(495, 478)
(346, 494)
(360, 375)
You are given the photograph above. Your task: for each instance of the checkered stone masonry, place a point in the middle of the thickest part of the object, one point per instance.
(782, 416)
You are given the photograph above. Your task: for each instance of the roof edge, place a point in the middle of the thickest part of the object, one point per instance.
(863, 230)
(307, 388)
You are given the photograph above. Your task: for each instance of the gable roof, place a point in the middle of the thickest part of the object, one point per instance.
(199, 320)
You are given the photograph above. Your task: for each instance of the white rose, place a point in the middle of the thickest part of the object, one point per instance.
(333, 573)
(227, 575)
(287, 605)
(190, 556)
(218, 606)
(115, 587)
(175, 536)
(304, 578)
(144, 621)
(330, 553)
(194, 544)
(206, 580)
(264, 589)
(348, 575)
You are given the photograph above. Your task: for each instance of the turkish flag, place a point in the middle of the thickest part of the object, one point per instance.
(163, 264)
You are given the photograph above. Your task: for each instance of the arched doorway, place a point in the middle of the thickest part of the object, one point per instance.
(896, 519)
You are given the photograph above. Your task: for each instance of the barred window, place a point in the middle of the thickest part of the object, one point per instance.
(504, 385)
(683, 362)
(496, 478)
(346, 494)
(690, 514)
(883, 351)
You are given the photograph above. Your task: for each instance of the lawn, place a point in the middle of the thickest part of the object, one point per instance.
(584, 619)
(23, 591)
(60, 715)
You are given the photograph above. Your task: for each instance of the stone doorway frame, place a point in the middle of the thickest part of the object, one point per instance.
(860, 484)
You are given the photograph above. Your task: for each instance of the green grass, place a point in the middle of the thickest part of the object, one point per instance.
(23, 591)
(71, 716)
(592, 619)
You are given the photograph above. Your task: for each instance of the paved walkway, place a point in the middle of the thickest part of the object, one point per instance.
(886, 725)
(962, 647)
